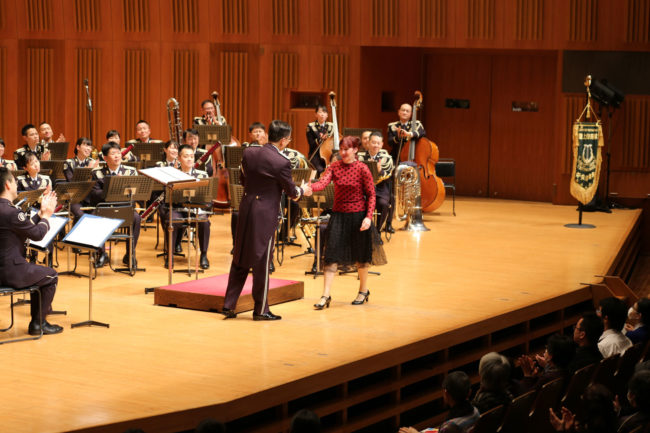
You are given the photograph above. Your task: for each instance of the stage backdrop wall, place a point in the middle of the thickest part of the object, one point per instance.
(260, 55)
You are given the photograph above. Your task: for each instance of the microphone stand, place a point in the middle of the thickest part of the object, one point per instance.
(89, 106)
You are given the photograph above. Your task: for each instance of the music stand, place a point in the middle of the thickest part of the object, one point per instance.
(213, 134)
(127, 189)
(90, 233)
(30, 197)
(55, 167)
(149, 152)
(58, 150)
(82, 174)
(324, 200)
(232, 156)
(69, 193)
(299, 175)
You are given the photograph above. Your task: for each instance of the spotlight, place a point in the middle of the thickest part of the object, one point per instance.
(606, 94)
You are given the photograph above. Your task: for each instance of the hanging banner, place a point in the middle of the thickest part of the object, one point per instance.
(587, 141)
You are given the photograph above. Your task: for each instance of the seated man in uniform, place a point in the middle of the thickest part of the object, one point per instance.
(209, 114)
(15, 271)
(5, 162)
(46, 134)
(32, 144)
(142, 135)
(186, 157)
(385, 169)
(113, 157)
(191, 138)
(400, 132)
(256, 134)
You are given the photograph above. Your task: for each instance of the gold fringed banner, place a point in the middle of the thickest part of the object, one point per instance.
(587, 141)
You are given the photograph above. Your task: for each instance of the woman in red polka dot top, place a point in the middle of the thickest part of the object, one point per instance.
(351, 238)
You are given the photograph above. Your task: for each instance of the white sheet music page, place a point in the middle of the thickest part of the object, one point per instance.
(92, 230)
(56, 224)
(166, 175)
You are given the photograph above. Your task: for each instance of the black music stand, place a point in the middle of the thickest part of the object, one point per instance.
(31, 197)
(82, 174)
(213, 134)
(149, 152)
(195, 199)
(69, 193)
(324, 200)
(55, 167)
(120, 189)
(173, 180)
(232, 156)
(299, 175)
(58, 150)
(78, 237)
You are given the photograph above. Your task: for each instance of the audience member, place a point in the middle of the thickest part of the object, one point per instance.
(639, 333)
(638, 394)
(305, 421)
(586, 334)
(597, 409)
(554, 364)
(494, 370)
(613, 312)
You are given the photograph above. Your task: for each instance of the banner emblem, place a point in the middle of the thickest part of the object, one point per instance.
(587, 141)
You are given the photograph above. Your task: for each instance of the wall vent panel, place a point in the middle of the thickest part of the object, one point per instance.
(638, 21)
(385, 18)
(335, 17)
(285, 76)
(529, 24)
(136, 15)
(185, 84)
(432, 19)
(39, 15)
(234, 18)
(3, 94)
(233, 87)
(636, 134)
(285, 17)
(87, 15)
(88, 66)
(336, 78)
(583, 20)
(136, 85)
(40, 85)
(481, 16)
(185, 16)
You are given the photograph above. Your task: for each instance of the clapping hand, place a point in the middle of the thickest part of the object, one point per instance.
(46, 155)
(48, 204)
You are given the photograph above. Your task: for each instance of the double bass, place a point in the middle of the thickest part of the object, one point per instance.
(223, 195)
(330, 146)
(425, 154)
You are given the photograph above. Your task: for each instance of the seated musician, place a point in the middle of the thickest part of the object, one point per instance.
(142, 135)
(400, 132)
(32, 180)
(186, 158)
(297, 160)
(209, 114)
(9, 164)
(256, 134)
(365, 140)
(317, 132)
(82, 150)
(191, 138)
(171, 155)
(46, 134)
(113, 157)
(385, 169)
(32, 144)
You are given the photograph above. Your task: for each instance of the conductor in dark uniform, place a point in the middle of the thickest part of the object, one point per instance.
(15, 271)
(265, 173)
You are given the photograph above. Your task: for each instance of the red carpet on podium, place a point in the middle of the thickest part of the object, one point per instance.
(208, 294)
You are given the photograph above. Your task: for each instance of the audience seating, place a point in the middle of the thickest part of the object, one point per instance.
(605, 370)
(577, 385)
(547, 398)
(625, 370)
(489, 421)
(517, 414)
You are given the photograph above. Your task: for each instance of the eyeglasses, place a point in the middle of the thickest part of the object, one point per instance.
(577, 328)
(288, 139)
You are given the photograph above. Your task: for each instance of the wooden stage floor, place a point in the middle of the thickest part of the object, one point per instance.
(495, 256)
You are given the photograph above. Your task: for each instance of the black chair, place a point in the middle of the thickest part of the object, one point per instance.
(517, 414)
(10, 291)
(124, 233)
(446, 168)
(605, 370)
(489, 421)
(577, 385)
(625, 370)
(547, 398)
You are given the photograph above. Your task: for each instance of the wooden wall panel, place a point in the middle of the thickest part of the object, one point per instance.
(635, 146)
(461, 134)
(236, 21)
(40, 85)
(637, 20)
(87, 16)
(479, 24)
(573, 106)
(284, 77)
(136, 76)
(234, 17)
(137, 20)
(434, 22)
(39, 19)
(185, 77)
(529, 24)
(521, 143)
(235, 91)
(3, 93)
(336, 77)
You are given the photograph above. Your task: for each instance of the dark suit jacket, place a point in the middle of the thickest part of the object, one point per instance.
(15, 228)
(265, 173)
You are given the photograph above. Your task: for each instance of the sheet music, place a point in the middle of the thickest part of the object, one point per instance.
(92, 230)
(56, 225)
(166, 175)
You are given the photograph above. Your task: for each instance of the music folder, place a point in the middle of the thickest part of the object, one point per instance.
(92, 231)
(173, 177)
(56, 225)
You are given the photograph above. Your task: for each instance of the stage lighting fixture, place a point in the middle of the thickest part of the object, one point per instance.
(606, 94)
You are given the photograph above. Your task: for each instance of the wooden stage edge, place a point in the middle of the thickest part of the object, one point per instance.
(501, 276)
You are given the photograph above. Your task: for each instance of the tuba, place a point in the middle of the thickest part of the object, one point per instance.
(174, 120)
(408, 205)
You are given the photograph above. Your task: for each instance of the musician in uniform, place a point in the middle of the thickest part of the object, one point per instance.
(365, 139)
(186, 158)
(317, 132)
(257, 135)
(82, 150)
(32, 144)
(400, 132)
(46, 134)
(9, 164)
(171, 155)
(209, 114)
(385, 167)
(265, 173)
(142, 135)
(113, 157)
(15, 228)
(191, 138)
(32, 180)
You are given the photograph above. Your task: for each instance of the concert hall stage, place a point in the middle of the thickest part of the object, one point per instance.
(501, 275)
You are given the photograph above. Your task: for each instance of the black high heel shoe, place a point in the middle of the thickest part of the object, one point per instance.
(365, 295)
(320, 305)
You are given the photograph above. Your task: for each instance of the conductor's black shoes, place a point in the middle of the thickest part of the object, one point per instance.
(205, 264)
(48, 328)
(266, 316)
(228, 313)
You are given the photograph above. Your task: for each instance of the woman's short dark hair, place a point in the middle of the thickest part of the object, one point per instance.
(27, 157)
(169, 143)
(457, 385)
(561, 348)
(80, 141)
(320, 107)
(108, 146)
(112, 133)
(305, 421)
(350, 141)
(279, 129)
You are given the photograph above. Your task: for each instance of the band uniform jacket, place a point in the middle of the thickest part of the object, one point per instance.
(40, 149)
(314, 131)
(265, 172)
(296, 158)
(70, 164)
(15, 228)
(26, 183)
(8, 163)
(382, 186)
(99, 175)
(397, 143)
(201, 120)
(130, 156)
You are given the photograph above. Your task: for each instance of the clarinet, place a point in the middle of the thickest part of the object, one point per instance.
(127, 150)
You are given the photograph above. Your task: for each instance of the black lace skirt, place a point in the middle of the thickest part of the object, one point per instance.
(345, 244)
